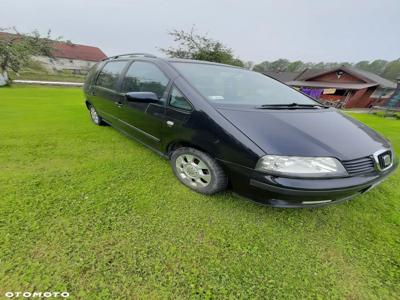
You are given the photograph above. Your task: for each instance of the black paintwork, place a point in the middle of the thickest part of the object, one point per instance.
(239, 137)
(322, 132)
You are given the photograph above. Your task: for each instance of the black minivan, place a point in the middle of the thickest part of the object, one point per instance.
(223, 126)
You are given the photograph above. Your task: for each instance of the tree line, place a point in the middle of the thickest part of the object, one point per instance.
(191, 45)
(17, 49)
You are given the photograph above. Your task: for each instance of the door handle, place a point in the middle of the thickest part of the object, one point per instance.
(170, 123)
(118, 103)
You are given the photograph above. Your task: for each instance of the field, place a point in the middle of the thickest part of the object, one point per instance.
(86, 210)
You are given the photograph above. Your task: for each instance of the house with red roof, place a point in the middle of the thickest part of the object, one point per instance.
(343, 86)
(76, 58)
(73, 57)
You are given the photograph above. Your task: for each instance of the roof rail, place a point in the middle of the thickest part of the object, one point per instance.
(132, 54)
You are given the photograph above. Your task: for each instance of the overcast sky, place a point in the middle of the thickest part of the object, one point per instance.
(257, 30)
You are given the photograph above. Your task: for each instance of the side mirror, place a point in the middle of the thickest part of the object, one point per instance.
(147, 97)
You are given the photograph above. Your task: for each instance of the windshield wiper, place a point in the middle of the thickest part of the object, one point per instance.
(292, 106)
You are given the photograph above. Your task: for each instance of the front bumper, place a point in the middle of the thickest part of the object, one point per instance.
(294, 192)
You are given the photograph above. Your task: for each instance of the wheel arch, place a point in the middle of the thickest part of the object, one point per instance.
(172, 146)
(88, 104)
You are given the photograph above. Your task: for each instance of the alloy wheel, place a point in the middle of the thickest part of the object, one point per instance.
(193, 170)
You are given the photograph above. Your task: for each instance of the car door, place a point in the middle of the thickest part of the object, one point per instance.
(106, 98)
(177, 115)
(141, 119)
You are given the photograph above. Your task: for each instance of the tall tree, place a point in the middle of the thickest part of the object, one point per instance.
(363, 65)
(378, 66)
(296, 66)
(279, 65)
(392, 70)
(262, 67)
(16, 50)
(200, 47)
(321, 65)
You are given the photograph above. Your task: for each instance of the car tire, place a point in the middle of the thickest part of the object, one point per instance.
(198, 170)
(95, 116)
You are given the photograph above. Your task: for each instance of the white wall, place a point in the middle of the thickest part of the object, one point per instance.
(58, 64)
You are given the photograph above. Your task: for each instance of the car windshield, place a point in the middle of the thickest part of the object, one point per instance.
(229, 85)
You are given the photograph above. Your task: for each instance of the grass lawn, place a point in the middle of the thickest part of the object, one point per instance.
(86, 210)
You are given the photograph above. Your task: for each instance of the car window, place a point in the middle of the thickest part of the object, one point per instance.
(145, 77)
(92, 71)
(109, 75)
(178, 100)
(229, 85)
(91, 75)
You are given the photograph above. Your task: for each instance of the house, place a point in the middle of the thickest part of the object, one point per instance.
(73, 57)
(67, 56)
(343, 86)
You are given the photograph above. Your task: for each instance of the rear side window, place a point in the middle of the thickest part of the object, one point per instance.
(109, 75)
(178, 100)
(145, 77)
(93, 70)
(91, 75)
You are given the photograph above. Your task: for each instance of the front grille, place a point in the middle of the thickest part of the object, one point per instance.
(359, 166)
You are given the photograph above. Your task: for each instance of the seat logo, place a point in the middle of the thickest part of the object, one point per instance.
(383, 159)
(387, 160)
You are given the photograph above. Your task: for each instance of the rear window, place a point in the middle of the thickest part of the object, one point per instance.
(91, 74)
(109, 75)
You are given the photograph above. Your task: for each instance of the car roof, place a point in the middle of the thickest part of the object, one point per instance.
(203, 62)
(147, 56)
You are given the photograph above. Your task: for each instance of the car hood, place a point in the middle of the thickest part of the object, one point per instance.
(305, 132)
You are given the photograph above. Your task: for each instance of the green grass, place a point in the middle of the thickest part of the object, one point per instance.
(87, 210)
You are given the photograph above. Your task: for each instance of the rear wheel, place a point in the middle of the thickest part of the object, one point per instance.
(95, 116)
(198, 170)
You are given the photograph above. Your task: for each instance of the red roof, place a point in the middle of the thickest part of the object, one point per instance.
(75, 51)
(70, 50)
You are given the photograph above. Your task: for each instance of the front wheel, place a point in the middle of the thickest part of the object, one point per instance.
(198, 170)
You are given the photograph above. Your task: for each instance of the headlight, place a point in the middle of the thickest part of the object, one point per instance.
(301, 166)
